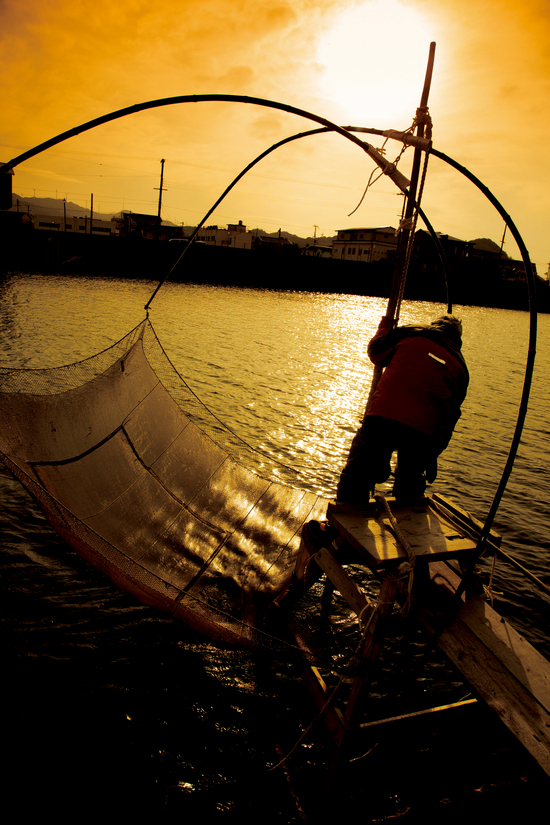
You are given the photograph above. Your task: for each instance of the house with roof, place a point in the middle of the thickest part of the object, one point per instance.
(365, 244)
(235, 236)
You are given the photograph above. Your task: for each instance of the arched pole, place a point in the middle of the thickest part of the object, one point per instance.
(404, 137)
(387, 167)
(401, 182)
(322, 130)
(529, 368)
(346, 131)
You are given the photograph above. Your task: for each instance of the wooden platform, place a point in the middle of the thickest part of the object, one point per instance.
(499, 664)
(434, 527)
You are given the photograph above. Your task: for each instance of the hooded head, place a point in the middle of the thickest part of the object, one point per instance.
(449, 325)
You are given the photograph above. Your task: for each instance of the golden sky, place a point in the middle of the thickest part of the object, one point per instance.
(65, 62)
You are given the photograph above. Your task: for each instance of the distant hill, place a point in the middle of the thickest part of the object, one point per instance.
(488, 246)
(322, 241)
(54, 206)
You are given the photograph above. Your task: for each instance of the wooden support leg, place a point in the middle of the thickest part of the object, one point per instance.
(372, 641)
(326, 598)
(368, 655)
(306, 573)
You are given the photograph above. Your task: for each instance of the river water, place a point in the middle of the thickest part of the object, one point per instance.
(107, 699)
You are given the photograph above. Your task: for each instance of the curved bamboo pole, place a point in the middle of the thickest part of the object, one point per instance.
(388, 168)
(529, 367)
(323, 130)
(400, 181)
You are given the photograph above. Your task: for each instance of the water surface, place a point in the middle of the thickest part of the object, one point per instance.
(165, 714)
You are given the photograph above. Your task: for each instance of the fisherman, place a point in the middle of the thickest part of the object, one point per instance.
(414, 408)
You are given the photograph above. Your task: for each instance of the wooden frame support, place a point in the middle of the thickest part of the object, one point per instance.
(372, 641)
(504, 669)
(500, 665)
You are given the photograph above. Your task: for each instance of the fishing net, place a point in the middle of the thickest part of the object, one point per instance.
(140, 478)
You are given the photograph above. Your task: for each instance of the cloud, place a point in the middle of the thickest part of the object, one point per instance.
(49, 173)
(67, 61)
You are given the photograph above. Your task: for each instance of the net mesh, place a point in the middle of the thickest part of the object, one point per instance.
(140, 478)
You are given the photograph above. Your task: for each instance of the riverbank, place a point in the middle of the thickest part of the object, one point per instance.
(478, 283)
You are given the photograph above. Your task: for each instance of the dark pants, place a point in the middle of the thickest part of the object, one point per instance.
(369, 460)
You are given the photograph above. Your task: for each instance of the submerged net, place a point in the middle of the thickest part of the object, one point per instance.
(138, 476)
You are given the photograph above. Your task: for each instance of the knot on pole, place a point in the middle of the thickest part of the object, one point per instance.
(423, 119)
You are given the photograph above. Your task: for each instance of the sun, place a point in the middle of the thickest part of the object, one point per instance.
(374, 61)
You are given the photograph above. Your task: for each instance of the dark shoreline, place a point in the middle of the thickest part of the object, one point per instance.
(477, 283)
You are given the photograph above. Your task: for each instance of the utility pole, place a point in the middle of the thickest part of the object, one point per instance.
(91, 213)
(161, 190)
(502, 241)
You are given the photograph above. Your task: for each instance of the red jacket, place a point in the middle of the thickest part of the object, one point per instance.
(425, 378)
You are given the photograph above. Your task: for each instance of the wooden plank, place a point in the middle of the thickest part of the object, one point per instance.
(343, 583)
(418, 714)
(464, 519)
(525, 663)
(371, 644)
(519, 711)
(317, 688)
(507, 673)
(430, 534)
(515, 652)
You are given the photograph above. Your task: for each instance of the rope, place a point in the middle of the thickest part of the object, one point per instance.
(406, 568)
(410, 226)
(372, 180)
(488, 591)
(422, 118)
(303, 472)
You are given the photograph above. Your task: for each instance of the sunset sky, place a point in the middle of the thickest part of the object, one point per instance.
(64, 62)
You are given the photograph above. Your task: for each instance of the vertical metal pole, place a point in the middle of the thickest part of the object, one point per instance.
(160, 188)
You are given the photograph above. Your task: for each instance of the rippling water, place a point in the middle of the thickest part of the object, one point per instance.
(163, 713)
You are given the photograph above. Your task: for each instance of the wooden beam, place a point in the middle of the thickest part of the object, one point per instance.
(371, 645)
(318, 690)
(464, 519)
(345, 585)
(405, 717)
(502, 667)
